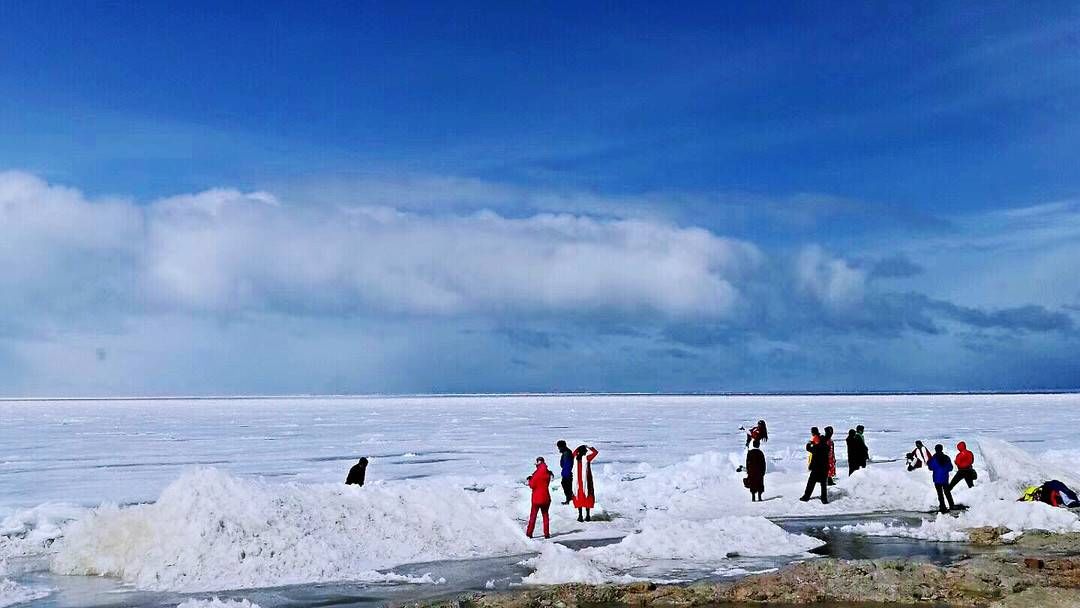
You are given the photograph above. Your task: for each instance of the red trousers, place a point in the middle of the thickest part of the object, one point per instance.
(532, 519)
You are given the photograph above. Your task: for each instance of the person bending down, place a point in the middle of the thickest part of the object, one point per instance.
(965, 469)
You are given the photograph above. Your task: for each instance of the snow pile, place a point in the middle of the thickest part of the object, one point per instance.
(558, 564)
(214, 602)
(709, 542)
(12, 593)
(1005, 463)
(32, 531)
(664, 537)
(1016, 516)
(211, 531)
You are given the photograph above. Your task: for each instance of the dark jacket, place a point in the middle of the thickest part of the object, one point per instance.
(819, 457)
(566, 463)
(356, 475)
(856, 450)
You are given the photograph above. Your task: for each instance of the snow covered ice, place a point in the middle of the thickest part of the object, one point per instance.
(198, 496)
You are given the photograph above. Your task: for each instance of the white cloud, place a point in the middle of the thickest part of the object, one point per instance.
(235, 252)
(831, 280)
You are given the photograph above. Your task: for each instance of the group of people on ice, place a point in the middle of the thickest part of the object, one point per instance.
(822, 466)
(585, 498)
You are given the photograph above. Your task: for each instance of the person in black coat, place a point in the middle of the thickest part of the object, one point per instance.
(357, 473)
(755, 471)
(819, 468)
(857, 454)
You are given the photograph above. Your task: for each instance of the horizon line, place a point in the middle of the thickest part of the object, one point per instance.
(257, 397)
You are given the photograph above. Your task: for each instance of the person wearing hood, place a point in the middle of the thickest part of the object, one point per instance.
(541, 497)
(941, 465)
(586, 493)
(965, 469)
(566, 470)
(357, 473)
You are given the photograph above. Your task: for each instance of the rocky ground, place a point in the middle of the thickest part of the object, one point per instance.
(1036, 570)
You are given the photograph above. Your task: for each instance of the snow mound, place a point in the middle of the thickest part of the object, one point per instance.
(12, 593)
(1016, 516)
(557, 564)
(709, 542)
(210, 531)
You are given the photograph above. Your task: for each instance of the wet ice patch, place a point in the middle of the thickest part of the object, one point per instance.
(12, 593)
(215, 602)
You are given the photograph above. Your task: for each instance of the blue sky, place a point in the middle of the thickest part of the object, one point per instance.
(356, 197)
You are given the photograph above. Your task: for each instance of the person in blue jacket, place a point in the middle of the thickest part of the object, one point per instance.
(941, 465)
(566, 466)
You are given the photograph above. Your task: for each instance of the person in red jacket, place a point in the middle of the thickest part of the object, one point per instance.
(965, 470)
(541, 497)
(586, 494)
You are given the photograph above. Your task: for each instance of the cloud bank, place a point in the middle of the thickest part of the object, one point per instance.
(225, 291)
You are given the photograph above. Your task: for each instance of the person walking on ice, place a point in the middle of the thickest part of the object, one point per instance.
(541, 497)
(586, 493)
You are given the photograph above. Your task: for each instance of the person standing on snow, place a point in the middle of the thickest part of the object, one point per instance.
(819, 466)
(964, 467)
(755, 471)
(856, 451)
(759, 431)
(541, 497)
(566, 469)
(586, 493)
(860, 430)
(941, 465)
(832, 455)
(357, 473)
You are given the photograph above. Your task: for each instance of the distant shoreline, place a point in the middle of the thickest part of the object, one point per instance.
(535, 394)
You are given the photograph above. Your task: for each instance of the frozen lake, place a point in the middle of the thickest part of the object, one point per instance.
(254, 496)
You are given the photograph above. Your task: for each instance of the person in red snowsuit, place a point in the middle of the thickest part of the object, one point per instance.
(586, 494)
(541, 497)
(965, 469)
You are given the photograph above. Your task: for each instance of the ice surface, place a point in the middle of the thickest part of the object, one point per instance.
(216, 494)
